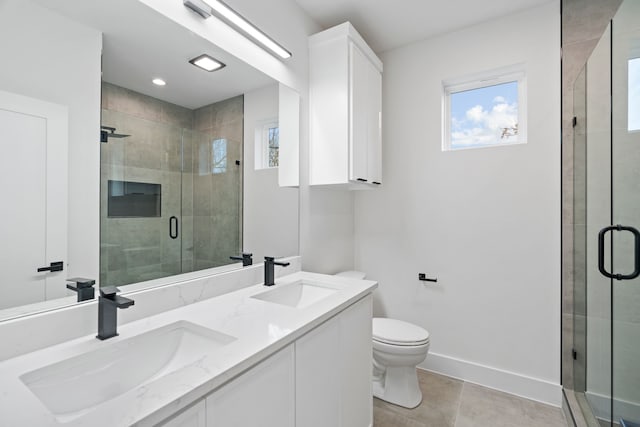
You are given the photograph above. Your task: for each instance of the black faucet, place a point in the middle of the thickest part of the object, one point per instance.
(84, 288)
(269, 263)
(245, 258)
(108, 305)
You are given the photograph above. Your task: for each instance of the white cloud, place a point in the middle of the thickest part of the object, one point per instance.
(476, 114)
(499, 100)
(485, 127)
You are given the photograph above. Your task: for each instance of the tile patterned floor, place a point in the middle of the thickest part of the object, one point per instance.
(448, 402)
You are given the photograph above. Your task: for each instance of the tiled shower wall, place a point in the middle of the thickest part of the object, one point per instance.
(217, 207)
(583, 23)
(164, 148)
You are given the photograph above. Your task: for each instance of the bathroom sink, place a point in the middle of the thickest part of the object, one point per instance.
(298, 294)
(74, 386)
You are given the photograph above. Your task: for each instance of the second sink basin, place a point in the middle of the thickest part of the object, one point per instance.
(299, 294)
(73, 386)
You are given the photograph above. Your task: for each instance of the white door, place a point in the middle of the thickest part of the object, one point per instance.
(33, 187)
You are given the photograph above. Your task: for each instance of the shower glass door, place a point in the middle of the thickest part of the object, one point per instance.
(625, 152)
(607, 220)
(592, 212)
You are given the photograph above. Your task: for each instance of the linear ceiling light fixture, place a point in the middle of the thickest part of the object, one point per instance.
(230, 16)
(207, 63)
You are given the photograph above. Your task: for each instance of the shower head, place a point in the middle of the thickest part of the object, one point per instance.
(107, 132)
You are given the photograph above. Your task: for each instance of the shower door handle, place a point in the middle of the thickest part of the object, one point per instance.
(636, 252)
(173, 227)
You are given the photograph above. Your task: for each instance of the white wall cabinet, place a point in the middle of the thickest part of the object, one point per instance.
(323, 379)
(345, 110)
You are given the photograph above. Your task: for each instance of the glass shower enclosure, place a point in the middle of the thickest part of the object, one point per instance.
(607, 220)
(171, 186)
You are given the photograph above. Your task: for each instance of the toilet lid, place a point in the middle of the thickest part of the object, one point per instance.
(397, 332)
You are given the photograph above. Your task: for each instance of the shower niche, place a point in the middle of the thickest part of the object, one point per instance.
(128, 199)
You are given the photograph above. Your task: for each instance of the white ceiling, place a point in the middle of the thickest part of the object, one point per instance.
(139, 44)
(387, 24)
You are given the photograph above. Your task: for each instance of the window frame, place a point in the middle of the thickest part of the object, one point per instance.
(515, 73)
(262, 143)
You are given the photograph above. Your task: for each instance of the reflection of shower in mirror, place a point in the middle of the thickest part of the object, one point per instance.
(107, 132)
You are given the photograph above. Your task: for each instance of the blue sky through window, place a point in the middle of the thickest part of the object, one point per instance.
(484, 116)
(634, 94)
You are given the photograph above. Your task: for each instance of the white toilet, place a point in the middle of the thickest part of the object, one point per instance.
(398, 347)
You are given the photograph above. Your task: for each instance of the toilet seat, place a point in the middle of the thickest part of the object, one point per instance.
(397, 332)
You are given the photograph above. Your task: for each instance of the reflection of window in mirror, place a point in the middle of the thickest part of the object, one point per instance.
(634, 95)
(212, 158)
(219, 155)
(267, 145)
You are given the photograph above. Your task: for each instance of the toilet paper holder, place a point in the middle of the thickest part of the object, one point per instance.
(424, 278)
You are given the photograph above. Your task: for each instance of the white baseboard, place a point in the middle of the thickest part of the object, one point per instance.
(601, 406)
(498, 379)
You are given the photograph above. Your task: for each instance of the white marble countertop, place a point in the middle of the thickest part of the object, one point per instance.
(261, 328)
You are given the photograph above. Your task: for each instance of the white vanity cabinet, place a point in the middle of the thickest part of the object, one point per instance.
(262, 396)
(345, 109)
(322, 379)
(333, 371)
(194, 416)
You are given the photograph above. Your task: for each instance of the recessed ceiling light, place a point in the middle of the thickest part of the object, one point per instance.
(207, 63)
(159, 82)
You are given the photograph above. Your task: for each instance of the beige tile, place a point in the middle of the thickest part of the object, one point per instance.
(585, 19)
(176, 115)
(484, 407)
(202, 120)
(440, 399)
(574, 57)
(383, 417)
(567, 356)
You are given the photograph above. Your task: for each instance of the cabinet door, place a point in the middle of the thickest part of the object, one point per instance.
(374, 126)
(359, 107)
(194, 416)
(356, 365)
(318, 376)
(263, 396)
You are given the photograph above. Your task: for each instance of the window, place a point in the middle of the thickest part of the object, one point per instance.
(633, 123)
(212, 158)
(272, 146)
(485, 110)
(219, 156)
(267, 145)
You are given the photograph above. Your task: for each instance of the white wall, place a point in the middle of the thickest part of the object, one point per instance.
(49, 57)
(485, 222)
(270, 213)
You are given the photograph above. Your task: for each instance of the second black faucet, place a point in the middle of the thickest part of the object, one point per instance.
(269, 263)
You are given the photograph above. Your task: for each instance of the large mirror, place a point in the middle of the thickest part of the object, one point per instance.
(125, 181)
